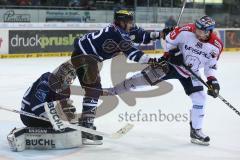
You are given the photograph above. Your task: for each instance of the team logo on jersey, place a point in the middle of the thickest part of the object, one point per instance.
(213, 54)
(218, 44)
(41, 95)
(193, 62)
(199, 45)
(110, 46)
(196, 51)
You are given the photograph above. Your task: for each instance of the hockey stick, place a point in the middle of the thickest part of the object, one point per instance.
(180, 15)
(24, 113)
(121, 132)
(219, 96)
(76, 90)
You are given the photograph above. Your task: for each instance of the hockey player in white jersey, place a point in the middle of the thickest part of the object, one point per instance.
(196, 46)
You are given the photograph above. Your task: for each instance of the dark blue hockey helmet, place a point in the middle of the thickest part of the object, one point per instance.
(123, 15)
(205, 23)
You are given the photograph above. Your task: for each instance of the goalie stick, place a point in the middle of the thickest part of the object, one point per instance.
(116, 135)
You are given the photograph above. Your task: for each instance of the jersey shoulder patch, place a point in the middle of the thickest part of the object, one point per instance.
(214, 40)
(189, 28)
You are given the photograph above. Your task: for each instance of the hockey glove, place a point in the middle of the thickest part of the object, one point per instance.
(165, 32)
(176, 57)
(159, 63)
(213, 87)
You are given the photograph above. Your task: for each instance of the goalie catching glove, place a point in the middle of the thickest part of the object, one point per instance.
(68, 108)
(213, 87)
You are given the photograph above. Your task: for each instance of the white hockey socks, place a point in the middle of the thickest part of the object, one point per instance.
(198, 110)
(133, 82)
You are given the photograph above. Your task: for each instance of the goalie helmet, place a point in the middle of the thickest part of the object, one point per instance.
(65, 73)
(205, 23)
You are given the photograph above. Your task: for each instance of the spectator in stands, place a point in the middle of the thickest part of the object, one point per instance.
(74, 3)
(61, 3)
(43, 2)
(49, 2)
(90, 5)
(171, 22)
(23, 2)
(36, 3)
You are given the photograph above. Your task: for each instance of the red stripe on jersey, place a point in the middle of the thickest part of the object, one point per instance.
(211, 78)
(214, 40)
(188, 27)
(180, 69)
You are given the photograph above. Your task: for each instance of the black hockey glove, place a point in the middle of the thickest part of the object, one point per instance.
(176, 57)
(213, 87)
(159, 62)
(165, 32)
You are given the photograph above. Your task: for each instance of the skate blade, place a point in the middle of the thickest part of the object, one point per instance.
(196, 141)
(86, 141)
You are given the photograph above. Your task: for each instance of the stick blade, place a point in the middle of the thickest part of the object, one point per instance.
(121, 132)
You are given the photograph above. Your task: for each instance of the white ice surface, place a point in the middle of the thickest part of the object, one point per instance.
(148, 140)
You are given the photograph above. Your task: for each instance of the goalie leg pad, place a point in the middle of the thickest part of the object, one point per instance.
(43, 139)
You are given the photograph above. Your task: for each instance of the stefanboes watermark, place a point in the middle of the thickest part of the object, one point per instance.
(158, 116)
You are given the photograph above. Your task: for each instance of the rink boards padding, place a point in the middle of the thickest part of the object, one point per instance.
(27, 43)
(68, 54)
(57, 54)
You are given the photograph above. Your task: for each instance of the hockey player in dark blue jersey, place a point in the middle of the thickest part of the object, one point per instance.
(102, 45)
(49, 87)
